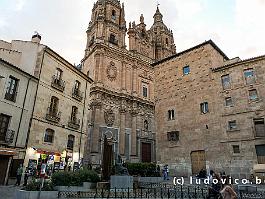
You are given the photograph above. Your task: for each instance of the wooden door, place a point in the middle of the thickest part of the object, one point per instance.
(146, 152)
(198, 161)
(3, 168)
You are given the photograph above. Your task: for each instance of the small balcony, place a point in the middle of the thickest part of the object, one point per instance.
(7, 138)
(53, 116)
(58, 83)
(11, 97)
(74, 123)
(77, 94)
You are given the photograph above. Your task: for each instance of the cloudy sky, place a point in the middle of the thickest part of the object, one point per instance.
(236, 26)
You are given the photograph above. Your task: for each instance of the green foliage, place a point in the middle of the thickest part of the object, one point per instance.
(69, 178)
(34, 185)
(143, 169)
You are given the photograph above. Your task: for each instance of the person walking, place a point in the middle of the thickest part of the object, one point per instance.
(26, 176)
(19, 174)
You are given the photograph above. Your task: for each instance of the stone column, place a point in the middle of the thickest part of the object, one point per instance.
(101, 67)
(134, 79)
(123, 75)
(133, 135)
(97, 59)
(122, 132)
(95, 134)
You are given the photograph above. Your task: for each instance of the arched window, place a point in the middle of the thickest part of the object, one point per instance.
(77, 85)
(58, 74)
(112, 39)
(54, 105)
(146, 125)
(49, 135)
(167, 41)
(74, 113)
(113, 15)
(70, 142)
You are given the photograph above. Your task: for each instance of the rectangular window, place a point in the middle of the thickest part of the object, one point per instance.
(173, 136)
(11, 90)
(226, 82)
(260, 151)
(249, 76)
(232, 125)
(171, 114)
(228, 101)
(259, 127)
(236, 149)
(204, 107)
(186, 70)
(4, 123)
(253, 95)
(145, 91)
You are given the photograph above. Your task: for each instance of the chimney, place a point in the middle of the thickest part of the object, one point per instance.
(36, 38)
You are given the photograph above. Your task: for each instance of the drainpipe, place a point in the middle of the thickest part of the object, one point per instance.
(82, 124)
(24, 101)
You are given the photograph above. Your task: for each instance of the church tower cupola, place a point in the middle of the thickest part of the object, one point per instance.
(158, 17)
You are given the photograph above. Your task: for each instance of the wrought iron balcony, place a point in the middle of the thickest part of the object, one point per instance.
(74, 123)
(11, 97)
(77, 94)
(58, 83)
(53, 116)
(8, 137)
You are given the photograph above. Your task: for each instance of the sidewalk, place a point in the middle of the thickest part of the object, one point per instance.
(8, 192)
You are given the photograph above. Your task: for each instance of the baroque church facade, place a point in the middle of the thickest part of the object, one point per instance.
(122, 96)
(193, 110)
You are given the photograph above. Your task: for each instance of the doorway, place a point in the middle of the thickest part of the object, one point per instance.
(146, 152)
(198, 161)
(4, 161)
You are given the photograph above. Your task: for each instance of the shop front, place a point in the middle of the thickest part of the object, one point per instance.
(54, 161)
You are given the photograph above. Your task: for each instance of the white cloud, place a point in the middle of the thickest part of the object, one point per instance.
(19, 4)
(63, 23)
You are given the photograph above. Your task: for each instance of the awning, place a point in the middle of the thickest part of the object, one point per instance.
(8, 151)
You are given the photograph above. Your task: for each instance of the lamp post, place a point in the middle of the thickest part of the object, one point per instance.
(2, 77)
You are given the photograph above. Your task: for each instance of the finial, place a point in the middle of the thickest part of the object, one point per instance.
(142, 18)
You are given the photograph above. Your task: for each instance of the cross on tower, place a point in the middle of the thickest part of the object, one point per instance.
(157, 4)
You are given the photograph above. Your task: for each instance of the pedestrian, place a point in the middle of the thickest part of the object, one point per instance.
(19, 174)
(26, 176)
(228, 192)
(167, 170)
(164, 173)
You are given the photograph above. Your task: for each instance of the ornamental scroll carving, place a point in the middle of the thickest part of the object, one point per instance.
(112, 71)
(109, 117)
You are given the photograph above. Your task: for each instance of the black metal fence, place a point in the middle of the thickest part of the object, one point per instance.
(166, 193)
(177, 192)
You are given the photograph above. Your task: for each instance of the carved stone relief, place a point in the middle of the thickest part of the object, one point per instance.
(112, 71)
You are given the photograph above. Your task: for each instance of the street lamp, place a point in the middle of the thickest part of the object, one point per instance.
(2, 77)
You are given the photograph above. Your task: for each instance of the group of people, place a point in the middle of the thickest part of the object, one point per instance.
(19, 175)
(220, 190)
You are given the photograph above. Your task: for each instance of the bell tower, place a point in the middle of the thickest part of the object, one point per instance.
(107, 25)
(162, 37)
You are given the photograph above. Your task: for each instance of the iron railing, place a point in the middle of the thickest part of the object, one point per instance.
(176, 192)
(53, 116)
(8, 137)
(77, 94)
(58, 83)
(74, 123)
